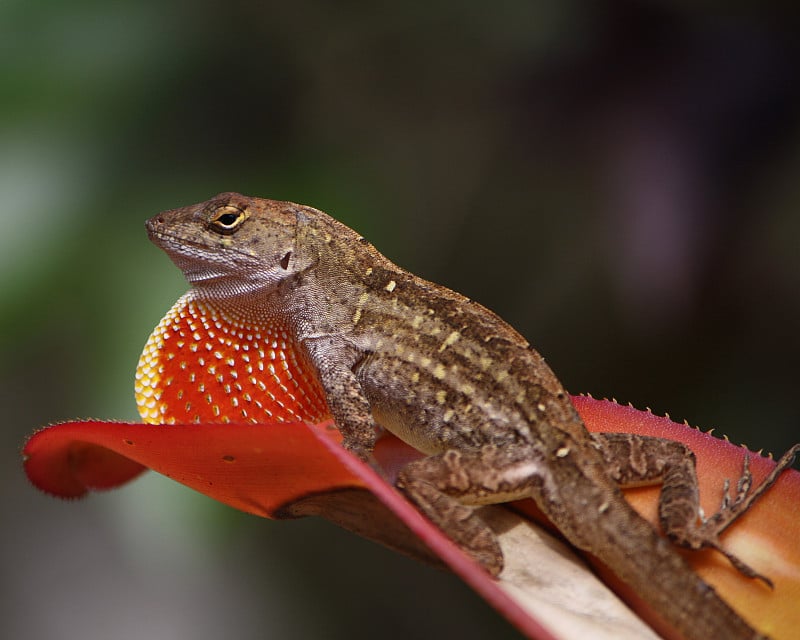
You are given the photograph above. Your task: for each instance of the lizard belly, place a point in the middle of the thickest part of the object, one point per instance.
(429, 413)
(393, 422)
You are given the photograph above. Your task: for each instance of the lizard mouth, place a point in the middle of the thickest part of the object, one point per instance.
(166, 239)
(175, 243)
(171, 241)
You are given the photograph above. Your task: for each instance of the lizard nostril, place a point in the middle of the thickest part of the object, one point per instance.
(154, 223)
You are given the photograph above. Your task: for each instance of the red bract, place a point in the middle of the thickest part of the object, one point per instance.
(288, 470)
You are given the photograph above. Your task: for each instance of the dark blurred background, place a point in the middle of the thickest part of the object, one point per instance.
(619, 180)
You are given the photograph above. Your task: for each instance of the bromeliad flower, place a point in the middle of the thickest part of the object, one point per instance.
(287, 470)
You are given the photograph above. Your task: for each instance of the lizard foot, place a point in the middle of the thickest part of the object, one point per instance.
(732, 508)
(460, 522)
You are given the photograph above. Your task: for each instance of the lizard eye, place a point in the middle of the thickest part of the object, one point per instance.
(227, 219)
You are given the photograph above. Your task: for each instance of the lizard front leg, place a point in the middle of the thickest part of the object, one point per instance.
(634, 460)
(347, 403)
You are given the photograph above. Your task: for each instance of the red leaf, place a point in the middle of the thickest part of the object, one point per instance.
(288, 470)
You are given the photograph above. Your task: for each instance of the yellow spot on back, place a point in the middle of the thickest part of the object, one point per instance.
(451, 339)
(441, 396)
(390, 287)
(439, 371)
(416, 323)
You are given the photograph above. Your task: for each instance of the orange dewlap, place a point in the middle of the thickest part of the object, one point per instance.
(202, 366)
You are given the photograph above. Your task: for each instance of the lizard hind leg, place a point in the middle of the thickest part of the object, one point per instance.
(640, 460)
(442, 486)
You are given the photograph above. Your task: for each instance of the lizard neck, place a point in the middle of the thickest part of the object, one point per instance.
(207, 362)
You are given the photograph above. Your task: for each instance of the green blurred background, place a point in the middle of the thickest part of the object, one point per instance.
(617, 179)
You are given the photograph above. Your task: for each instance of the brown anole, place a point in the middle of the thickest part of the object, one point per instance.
(390, 350)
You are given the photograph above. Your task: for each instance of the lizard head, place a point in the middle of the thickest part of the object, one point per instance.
(232, 244)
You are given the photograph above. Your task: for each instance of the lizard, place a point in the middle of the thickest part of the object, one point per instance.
(284, 292)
